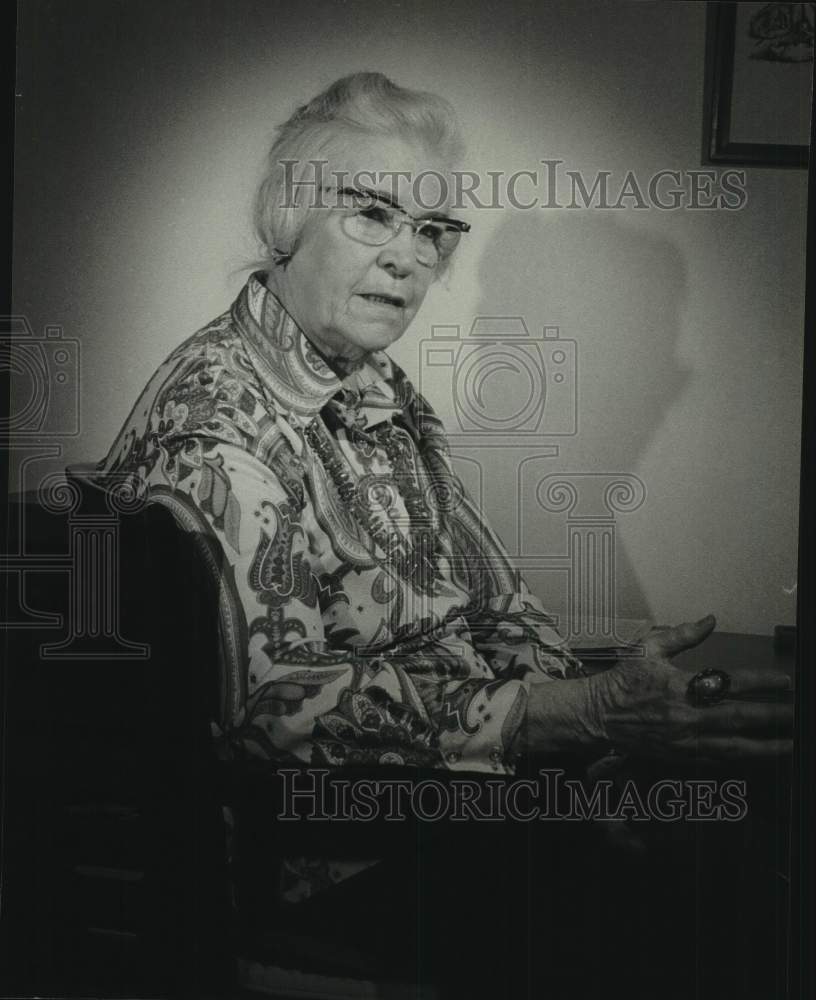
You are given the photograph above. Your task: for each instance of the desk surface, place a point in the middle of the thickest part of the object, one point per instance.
(735, 651)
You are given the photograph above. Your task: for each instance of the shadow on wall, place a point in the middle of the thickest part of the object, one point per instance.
(618, 291)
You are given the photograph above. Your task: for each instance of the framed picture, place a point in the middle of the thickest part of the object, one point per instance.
(759, 77)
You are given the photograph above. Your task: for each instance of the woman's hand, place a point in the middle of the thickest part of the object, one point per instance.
(640, 705)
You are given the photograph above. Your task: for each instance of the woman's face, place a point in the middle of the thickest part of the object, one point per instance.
(330, 283)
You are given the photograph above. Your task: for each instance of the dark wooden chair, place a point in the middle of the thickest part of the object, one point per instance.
(114, 857)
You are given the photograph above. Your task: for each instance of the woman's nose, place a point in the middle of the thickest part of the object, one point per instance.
(398, 254)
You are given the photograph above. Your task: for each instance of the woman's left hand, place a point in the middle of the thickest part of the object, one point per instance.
(641, 705)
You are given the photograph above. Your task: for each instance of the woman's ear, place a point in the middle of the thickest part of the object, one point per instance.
(280, 257)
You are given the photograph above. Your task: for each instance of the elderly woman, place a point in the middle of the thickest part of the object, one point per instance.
(375, 616)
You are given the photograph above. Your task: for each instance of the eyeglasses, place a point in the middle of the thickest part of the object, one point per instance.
(371, 220)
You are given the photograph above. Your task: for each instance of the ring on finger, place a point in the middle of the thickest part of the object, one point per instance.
(708, 687)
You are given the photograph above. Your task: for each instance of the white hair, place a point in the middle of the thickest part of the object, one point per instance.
(366, 104)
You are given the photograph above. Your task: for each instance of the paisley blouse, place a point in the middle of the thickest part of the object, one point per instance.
(368, 613)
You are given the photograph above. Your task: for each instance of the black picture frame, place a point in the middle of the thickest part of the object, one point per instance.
(718, 146)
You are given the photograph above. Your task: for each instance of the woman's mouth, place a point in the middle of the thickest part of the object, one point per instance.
(395, 301)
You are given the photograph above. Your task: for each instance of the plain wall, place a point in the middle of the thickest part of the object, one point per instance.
(141, 132)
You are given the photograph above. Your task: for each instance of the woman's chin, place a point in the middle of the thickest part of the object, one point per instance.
(371, 337)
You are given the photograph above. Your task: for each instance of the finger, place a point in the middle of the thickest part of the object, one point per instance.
(747, 716)
(668, 642)
(741, 748)
(757, 679)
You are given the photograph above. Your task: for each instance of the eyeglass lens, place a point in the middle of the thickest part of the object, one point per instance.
(377, 224)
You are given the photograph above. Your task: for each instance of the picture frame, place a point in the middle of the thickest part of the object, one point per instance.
(758, 79)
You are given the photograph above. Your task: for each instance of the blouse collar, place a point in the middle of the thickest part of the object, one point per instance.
(299, 379)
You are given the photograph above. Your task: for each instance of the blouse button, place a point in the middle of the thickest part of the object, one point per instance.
(496, 754)
(453, 757)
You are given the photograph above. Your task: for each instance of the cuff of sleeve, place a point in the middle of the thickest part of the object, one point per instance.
(486, 729)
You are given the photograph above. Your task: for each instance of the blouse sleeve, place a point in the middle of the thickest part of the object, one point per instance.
(302, 701)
